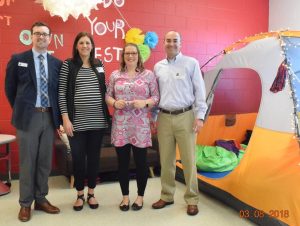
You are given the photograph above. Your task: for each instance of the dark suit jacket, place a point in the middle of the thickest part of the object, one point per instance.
(21, 90)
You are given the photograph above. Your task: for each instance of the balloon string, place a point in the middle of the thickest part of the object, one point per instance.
(121, 15)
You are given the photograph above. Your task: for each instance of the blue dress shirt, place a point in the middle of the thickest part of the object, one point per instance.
(181, 85)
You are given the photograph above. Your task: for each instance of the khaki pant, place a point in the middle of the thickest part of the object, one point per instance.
(178, 129)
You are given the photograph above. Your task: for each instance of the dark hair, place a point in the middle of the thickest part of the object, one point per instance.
(140, 64)
(40, 24)
(75, 53)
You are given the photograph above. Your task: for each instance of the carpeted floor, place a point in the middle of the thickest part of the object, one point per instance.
(211, 212)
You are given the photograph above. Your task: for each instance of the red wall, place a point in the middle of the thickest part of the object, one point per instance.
(207, 26)
(238, 91)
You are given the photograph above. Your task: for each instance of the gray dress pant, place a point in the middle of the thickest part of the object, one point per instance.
(35, 158)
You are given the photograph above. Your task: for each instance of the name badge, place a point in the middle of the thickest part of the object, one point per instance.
(21, 64)
(179, 76)
(179, 73)
(99, 69)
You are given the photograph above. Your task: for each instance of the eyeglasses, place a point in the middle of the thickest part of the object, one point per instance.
(131, 53)
(39, 34)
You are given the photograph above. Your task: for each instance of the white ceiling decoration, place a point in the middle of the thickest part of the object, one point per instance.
(65, 8)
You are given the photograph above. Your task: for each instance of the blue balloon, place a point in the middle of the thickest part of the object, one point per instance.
(151, 39)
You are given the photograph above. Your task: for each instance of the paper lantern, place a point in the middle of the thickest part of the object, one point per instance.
(69, 7)
(151, 39)
(134, 35)
(145, 52)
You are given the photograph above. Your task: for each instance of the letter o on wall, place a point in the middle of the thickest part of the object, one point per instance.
(25, 37)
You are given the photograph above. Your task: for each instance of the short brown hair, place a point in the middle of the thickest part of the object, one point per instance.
(40, 24)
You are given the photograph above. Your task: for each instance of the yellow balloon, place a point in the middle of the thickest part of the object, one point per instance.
(134, 35)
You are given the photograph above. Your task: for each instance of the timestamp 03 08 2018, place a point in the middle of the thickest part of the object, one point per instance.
(276, 213)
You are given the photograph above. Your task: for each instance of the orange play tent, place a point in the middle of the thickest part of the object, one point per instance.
(265, 186)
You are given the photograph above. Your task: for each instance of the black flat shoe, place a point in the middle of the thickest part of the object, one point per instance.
(136, 207)
(124, 207)
(92, 206)
(78, 208)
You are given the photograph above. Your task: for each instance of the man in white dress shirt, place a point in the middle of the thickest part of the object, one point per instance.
(182, 110)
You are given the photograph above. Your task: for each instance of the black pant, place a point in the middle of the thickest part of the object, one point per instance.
(85, 148)
(140, 159)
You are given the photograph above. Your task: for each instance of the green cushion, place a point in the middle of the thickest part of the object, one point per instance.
(215, 159)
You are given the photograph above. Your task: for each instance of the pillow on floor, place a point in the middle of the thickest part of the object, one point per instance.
(215, 159)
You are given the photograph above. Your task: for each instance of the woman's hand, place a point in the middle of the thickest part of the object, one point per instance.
(139, 103)
(68, 127)
(119, 104)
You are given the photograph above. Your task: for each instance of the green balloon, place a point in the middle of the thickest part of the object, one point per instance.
(145, 52)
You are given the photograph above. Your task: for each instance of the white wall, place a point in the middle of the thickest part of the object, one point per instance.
(284, 14)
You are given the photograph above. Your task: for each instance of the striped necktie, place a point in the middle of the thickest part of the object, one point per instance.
(43, 83)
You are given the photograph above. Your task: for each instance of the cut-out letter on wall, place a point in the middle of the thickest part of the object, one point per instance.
(6, 19)
(59, 40)
(25, 37)
(118, 3)
(100, 28)
(7, 2)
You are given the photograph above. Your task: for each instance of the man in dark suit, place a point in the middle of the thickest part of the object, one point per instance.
(31, 85)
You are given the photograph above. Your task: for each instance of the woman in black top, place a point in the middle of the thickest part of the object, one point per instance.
(84, 113)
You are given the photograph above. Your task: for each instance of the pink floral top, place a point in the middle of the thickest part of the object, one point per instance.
(131, 125)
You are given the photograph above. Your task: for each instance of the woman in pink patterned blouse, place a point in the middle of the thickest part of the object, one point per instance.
(132, 91)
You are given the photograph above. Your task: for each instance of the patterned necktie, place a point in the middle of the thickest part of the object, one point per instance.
(43, 83)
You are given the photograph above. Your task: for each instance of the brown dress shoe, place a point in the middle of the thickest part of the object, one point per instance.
(161, 204)
(46, 207)
(192, 210)
(24, 214)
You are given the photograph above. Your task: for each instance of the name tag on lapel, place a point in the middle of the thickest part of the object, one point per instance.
(21, 64)
(99, 69)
